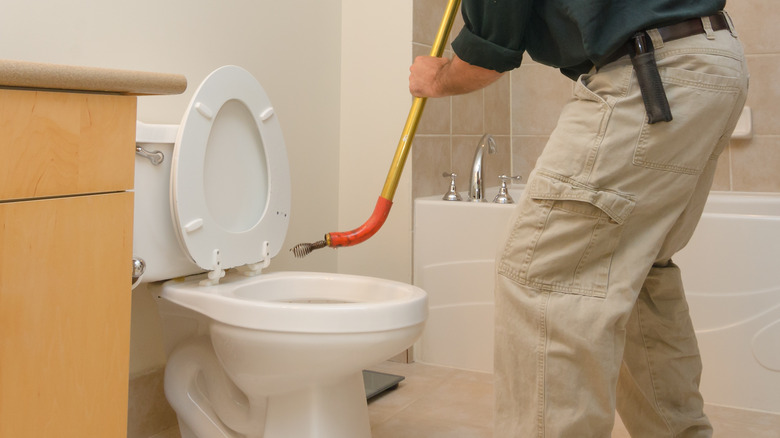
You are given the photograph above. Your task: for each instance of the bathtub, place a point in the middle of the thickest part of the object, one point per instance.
(731, 271)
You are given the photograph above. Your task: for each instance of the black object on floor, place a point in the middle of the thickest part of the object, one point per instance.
(377, 383)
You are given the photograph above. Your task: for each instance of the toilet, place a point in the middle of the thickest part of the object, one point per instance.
(252, 354)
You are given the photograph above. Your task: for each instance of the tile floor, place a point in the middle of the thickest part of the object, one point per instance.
(438, 402)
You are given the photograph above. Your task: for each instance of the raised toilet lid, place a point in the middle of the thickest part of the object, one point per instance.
(230, 178)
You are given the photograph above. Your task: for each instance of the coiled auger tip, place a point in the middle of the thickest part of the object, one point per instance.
(303, 249)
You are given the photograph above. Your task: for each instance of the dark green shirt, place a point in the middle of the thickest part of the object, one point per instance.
(572, 35)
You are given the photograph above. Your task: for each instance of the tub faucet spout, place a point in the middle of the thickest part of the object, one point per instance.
(476, 186)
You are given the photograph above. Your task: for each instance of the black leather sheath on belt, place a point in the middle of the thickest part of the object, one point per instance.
(653, 94)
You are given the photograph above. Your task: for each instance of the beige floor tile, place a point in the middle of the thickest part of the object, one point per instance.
(440, 402)
(447, 403)
(619, 430)
(170, 433)
(400, 427)
(148, 411)
(473, 406)
(419, 380)
(738, 423)
(443, 402)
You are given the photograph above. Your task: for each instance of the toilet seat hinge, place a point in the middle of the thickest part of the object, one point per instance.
(217, 272)
(252, 269)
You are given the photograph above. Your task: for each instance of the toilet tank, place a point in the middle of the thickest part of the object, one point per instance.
(154, 235)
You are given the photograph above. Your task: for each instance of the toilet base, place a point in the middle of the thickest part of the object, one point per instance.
(339, 410)
(207, 401)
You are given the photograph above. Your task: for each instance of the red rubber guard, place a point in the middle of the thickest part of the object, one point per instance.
(368, 229)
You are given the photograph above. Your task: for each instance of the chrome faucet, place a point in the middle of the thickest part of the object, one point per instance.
(476, 187)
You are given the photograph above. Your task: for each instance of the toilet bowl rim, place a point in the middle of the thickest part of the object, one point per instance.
(222, 303)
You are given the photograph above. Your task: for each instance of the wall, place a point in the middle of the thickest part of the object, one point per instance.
(375, 102)
(292, 48)
(522, 108)
(752, 164)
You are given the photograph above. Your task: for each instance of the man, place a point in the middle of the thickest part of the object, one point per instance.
(591, 314)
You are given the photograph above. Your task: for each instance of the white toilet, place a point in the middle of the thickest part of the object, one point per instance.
(252, 355)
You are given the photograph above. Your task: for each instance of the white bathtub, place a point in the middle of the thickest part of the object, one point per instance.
(731, 269)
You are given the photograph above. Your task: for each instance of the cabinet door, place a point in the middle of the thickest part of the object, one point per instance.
(65, 316)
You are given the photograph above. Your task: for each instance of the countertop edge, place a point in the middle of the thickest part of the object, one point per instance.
(25, 74)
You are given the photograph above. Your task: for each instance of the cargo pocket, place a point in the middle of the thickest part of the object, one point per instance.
(564, 238)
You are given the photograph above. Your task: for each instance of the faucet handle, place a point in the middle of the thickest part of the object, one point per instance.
(452, 194)
(503, 196)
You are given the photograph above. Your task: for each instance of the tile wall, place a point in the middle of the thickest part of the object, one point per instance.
(522, 108)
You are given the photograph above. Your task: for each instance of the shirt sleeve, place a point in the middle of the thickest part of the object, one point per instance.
(493, 35)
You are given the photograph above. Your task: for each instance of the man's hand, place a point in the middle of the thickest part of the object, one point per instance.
(440, 77)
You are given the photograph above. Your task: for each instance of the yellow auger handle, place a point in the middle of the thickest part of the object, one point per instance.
(385, 201)
(418, 104)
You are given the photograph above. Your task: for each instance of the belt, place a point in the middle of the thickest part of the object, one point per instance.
(673, 32)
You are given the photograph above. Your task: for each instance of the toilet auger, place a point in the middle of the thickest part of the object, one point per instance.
(385, 201)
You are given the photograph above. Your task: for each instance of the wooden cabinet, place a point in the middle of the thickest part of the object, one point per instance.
(55, 144)
(66, 168)
(65, 316)
(66, 163)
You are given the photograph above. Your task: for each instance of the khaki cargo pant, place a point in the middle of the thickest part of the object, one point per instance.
(590, 310)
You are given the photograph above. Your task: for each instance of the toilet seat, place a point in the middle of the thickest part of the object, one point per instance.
(230, 181)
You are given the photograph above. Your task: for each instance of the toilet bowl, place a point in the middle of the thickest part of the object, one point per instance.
(252, 354)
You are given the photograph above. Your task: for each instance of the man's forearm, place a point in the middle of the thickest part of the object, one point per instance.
(439, 77)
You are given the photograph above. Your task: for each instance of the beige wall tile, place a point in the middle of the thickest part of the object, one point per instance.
(538, 95)
(756, 23)
(426, 19)
(754, 164)
(525, 152)
(764, 94)
(497, 116)
(436, 118)
(468, 112)
(430, 158)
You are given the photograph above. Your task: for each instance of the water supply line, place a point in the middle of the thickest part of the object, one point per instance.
(385, 201)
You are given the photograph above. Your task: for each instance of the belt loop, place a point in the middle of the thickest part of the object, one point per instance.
(732, 29)
(707, 24)
(656, 38)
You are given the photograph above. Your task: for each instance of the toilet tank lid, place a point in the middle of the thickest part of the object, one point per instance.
(154, 133)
